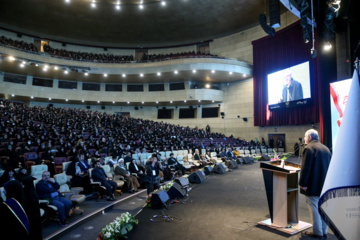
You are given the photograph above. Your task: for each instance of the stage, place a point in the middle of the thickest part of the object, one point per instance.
(227, 207)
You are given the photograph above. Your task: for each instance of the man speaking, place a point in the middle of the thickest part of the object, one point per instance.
(292, 89)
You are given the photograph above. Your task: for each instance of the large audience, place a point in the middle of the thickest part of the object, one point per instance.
(20, 45)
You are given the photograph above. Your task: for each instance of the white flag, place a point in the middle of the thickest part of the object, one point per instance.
(340, 196)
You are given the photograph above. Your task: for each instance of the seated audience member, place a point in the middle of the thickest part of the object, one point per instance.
(9, 175)
(83, 164)
(173, 161)
(132, 183)
(230, 155)
(32, 208)
(47, 188)
(79, 178)
(14, 222)
(223, 155)
(134, 168)
(99, 175)
(23, 173)
(152, 171)
(209, 158)
(198, 157)
(127, 158)
(236, 153)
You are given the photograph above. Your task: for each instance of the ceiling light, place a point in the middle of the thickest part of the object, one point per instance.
(176, 72)
(170, 101)
(67, 1)
(113, 101)
(157, 102)
(11, 58)
(230, 73)
(82, 101)
(12, 95)
(124, 75)
(23, 62)
(32, 97)
(128, 102)
(117, 7)
(199, 100)
(159, 74)
(212, 71)
(36, 65)
(66, 100)
(105, 74)
(86, 74)
(56, 68)
(213, 101)
(50, 98)
(66, 72)
(244, 75)
(93, 5)
(194, 71)
(22, 65)
(141, 6)
(141, 75)
(207, 85)
(327, 46)
(142, 102)
(98, 101)
(184, 100)
(163, 3)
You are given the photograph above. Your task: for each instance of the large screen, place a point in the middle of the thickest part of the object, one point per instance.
(289, 87)
(338, 97)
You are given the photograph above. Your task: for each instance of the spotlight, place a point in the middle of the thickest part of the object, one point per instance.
(93, 5)
(141, 6)
(67, 1)
(86, 74)
(13, 95)
(327, 46)
(113, 101)
(117, 7)
(142, 102)
(212, 71)
(157, 102)
(66, 100)
(230, 73)
(213, 101)
(128, 102)
(45, 69)
(82, 101)
(22, 65)
(163, 3)
(244, 75)
(32, 97)
(66, 72)
(98, 101)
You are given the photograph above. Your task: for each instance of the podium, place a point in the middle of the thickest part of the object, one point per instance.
(282, 191)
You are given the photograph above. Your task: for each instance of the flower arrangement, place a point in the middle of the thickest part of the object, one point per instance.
(118, 228)
(167, 186)
(275, 158)
(148, 201)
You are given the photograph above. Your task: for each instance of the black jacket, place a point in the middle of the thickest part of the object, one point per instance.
(314, 166)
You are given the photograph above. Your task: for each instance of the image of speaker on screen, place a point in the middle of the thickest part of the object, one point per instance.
(292, 89)
(289, 84)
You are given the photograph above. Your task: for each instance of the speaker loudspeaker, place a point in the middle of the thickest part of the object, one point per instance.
(219, 168)
(269, 30)
(159, 199)
(176, 191)
(264, 158)
(197, 177)
(231, 164)
(183, 181)
(207, 170)
(240, 160)
(248, 159)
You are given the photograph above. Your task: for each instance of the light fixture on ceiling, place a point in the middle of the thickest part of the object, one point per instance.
(93, 5)
(117, 7)
(22, 65)
(66, 100)
(244, 75)
(13, 95)
(159, 73)
(105, 75)
(157, 102)
(230, 73)
(67, 1)
(176, 72)
(213, 101)
(56, 68)
(98, 101)
(32, 97)
(212, 71)
(207, 86)
(184, 101)
(199, 100)
(128, 102)
(86, 74)
(50, 99)
(11, 58)
(66, 72)
(142, 102)
(163, 3)
(113, 101)
(82, 101)
(141, 6)
(194, 71)
(170, 101)
(327, 46)
(124, 75)
(141, 75)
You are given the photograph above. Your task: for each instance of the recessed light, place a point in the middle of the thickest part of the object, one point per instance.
(141, 6)
(66, 100)
(212, 71)
(105, 74)
(163, 3)
(159, 74)
(184, 100)
(56, 68)
(66, 72)
(36, 65)
(44, 69)
(157, 102)
(32, 97)
(176, 72)
(113, 101)
(117, 7)
(199, 100)
(142, 102)
(50, 98)
(22, 65)
(244, 75)
(194, 71)
(124, 75)
(86, 74)
(93, 5)
(207, 85)
(170, 101)
(23, 62)
(230, 73)
(141, 75)
(11, 58)
(12, 95)
(213, 101)
(67, 1)
(82, 101)
(128, 102)
(98, 101)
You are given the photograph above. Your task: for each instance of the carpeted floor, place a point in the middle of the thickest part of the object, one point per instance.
(223, 207)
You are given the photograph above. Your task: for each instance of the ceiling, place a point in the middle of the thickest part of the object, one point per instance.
(180, 22)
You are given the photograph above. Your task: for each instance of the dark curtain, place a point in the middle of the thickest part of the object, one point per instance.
(272, 54)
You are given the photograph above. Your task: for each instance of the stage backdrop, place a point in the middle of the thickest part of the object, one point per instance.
(272, 54)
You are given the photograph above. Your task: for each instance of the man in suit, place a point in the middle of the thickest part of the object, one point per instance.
(99, 175)
(292, 89)
(131, 181)
(314, 167)
(134, 168)
(47, 188)
(173, 161)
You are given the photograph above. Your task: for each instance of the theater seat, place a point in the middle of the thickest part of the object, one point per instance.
(37, 170)
(71, 194)
(115, 178)
(58, 163)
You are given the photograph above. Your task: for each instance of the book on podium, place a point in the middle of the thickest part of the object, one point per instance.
(282, 192)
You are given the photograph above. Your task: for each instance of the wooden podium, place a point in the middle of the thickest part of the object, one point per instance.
(282, 191)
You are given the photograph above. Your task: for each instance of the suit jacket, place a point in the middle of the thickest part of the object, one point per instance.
(44, 191)
(99, 175)
(120, 171)
(314, 166)
(295, 89)
(132, 168)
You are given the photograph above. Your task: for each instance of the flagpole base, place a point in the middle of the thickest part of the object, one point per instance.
(291, 229)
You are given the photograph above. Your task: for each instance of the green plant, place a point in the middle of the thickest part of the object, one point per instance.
(118, 228)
